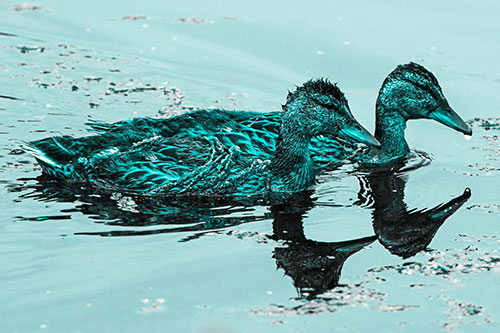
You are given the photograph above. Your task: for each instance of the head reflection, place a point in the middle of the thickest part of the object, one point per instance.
(402, 231)
(314, 266)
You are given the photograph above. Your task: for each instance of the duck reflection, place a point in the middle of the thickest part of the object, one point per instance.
(165, 214)
(402, 231)
(314, 266)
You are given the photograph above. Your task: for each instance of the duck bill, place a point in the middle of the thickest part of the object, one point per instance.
(446, 116)
(357, 133)
(353, 246)
(445, 210)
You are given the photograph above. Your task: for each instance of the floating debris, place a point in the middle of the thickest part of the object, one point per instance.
(393, 308)
(193, 20)
(461, 313)
(93, 78)
(27, 49)
(487, 124)
(134, 18)
(27, 6)
(228, 101)
(134, 89)
(486, 168)
(130, 18)
(447, 264)
(332, 301)
(490, 208)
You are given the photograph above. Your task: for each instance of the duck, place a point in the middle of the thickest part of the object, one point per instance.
(222, 153)
(409, 92)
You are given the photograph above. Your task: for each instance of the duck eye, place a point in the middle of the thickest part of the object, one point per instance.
(328, 105)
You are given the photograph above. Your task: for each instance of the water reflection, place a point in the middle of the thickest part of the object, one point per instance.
(314, 266)
(165, 214)
(402, 231)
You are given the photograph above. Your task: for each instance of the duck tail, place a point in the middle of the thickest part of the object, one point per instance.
(98, 125)
(52, 158)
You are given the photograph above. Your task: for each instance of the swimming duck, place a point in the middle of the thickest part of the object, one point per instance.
(163, 156)
(409, 92)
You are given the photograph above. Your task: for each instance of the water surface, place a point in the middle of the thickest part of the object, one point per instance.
(75, 260)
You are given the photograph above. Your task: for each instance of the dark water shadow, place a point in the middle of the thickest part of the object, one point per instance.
(148, 215)
(315, 267)
(401, 230)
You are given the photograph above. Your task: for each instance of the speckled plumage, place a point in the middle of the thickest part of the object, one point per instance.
(205, 152)
(408, 92)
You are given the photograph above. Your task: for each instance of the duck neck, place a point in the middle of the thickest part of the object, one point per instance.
(291, 166)
(390, 128)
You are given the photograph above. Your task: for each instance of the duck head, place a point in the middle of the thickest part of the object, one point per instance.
(319, 107)
(316, 108)
(414, 93)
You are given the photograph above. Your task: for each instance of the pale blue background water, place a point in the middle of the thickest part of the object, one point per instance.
(244, 56)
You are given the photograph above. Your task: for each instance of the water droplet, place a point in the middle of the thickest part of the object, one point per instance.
(467, 137)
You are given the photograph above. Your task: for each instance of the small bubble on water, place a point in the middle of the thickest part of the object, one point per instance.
(145, 300)
(467, 137)
(43, 326)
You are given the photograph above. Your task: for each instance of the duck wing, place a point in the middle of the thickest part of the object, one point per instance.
(198, 121)
(181, 165)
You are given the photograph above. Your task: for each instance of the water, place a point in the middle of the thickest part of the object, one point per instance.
(68, 258)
